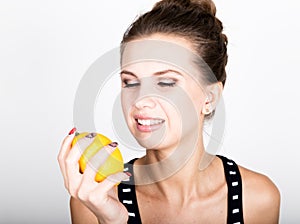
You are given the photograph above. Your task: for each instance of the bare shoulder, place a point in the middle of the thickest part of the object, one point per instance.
(261, 198)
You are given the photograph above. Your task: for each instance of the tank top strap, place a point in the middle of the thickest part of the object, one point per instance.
(234, 184)
(127, 196)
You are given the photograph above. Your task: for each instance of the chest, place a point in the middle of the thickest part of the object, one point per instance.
(210, 210)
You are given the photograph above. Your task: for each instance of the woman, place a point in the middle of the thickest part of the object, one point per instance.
(166, 101)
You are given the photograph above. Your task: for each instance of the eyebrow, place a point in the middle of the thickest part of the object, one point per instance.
(156, 73)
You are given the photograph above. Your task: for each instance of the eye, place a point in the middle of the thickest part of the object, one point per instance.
(130, 83)
(167, 83)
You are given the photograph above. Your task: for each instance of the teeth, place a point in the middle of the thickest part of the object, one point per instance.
(149, 122)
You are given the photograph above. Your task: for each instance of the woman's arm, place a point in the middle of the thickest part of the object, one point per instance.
(80, 214)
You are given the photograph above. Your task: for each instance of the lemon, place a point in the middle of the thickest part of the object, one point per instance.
(113, 164)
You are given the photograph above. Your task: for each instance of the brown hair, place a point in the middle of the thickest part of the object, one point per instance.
(193, 20)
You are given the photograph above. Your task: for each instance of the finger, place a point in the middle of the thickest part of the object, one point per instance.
(88, 178)
(72, 161)
(97, 161)
(90, 189)
(102, 155)
(87, 183)
(66, 144)
(90, 145)
(64, 150)
(102, 195)
(78, 149)
(73, 175)
(109, 182)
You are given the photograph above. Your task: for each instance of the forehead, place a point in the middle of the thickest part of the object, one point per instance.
(149, 68)
(152, 55)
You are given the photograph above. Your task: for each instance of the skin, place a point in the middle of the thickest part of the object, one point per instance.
(196, 196)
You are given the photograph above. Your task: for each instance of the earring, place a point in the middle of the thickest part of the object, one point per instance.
(208, 107)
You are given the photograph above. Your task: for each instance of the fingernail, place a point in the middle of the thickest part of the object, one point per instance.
(128, 174)
(113, 144)
(72, 131)
(91, 135)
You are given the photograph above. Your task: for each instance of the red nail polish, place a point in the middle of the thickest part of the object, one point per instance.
(72, 131)
(128, 174)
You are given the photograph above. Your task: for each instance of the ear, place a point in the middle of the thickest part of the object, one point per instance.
(213, 95)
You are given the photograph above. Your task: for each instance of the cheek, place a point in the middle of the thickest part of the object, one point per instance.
(127, 101)
(172, 114)
(197, 97)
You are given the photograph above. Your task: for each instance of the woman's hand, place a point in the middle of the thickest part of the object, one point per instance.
(100, 198)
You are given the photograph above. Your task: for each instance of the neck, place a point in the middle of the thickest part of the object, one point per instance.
(175, 180)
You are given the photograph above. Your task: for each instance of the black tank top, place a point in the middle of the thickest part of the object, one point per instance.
(127, 196)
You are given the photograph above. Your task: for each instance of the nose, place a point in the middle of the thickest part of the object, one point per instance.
(145, 102)
(145, 97)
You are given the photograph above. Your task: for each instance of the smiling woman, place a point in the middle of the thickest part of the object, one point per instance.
(171, 88)
(173, 62)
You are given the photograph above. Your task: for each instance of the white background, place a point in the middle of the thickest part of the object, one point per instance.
(47, 46)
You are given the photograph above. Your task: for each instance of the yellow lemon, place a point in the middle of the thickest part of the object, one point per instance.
(113, 164)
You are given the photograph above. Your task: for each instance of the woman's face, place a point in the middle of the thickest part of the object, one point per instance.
(161, 102)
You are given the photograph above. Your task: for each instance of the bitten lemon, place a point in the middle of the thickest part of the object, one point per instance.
(113, 164)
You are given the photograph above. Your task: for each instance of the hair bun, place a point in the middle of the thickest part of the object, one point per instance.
(194, 20)
(204, 5)
(207, 5)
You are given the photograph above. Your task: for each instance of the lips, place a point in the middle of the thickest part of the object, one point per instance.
(148, 124)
